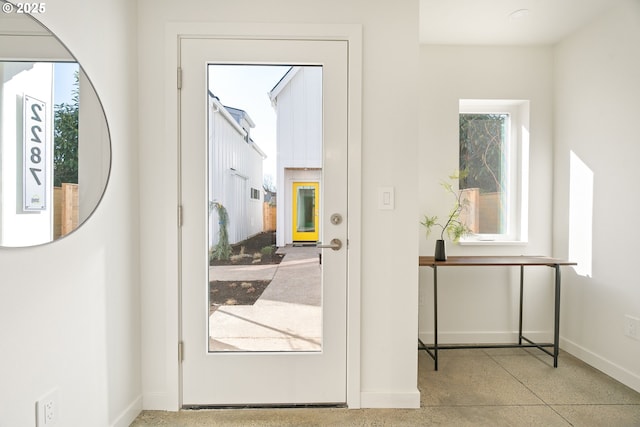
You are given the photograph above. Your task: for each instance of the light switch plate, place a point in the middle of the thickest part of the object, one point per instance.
(386, 198)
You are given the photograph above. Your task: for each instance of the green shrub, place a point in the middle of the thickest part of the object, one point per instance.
(221, 251)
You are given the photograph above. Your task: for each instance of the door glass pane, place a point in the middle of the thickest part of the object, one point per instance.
(306, 209)
(264, 134)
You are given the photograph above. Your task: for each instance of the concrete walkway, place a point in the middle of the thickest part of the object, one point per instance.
(286, 317)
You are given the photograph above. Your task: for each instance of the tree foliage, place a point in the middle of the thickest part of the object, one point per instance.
(268, 184)
(223, 250)
(65, 139)
(482, 151)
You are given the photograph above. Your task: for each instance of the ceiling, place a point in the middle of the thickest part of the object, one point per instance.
(488, 22)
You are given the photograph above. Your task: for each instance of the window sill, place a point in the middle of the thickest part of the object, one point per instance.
(493, 242)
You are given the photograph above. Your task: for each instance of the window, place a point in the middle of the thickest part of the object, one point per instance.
(494, 140)
(255, 193)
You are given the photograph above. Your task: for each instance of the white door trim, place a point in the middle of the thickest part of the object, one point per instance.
(352, 34)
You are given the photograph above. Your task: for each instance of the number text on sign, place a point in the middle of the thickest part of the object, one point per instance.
(34, 157)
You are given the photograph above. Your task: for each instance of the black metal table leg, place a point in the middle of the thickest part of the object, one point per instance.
(521, 300)
(556, 326)
(435, 316)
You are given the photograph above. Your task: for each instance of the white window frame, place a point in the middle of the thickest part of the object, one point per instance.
(517, 168)
(256, 191)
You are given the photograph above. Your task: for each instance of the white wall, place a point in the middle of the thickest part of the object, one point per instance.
(469, 312)
(596, 103)
(388, 365)
(70, 310)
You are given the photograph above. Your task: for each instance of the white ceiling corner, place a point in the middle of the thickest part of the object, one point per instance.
(487, 22)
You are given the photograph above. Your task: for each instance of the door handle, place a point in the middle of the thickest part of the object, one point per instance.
(335, 244)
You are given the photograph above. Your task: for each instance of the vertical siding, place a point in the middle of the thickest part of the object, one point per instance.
(255, 218)
(235, 167)
(300, 120)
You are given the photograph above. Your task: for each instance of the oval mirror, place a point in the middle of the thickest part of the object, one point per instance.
(55, 151)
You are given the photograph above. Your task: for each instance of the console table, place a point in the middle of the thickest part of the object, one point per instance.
(503, 261)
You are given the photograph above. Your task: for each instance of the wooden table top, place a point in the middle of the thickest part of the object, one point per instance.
(515, 260)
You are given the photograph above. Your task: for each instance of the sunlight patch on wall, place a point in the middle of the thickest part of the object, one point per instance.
(580, 215)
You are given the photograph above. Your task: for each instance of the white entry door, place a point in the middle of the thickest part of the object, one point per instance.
(242, 371)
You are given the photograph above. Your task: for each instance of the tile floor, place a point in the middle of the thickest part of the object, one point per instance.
(495, 387)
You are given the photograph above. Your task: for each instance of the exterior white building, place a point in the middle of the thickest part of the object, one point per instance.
(26, 168)
(297, 99)
(235, 172)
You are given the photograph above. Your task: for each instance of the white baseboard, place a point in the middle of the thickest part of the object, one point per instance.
(615, 371)
(128, 415)
(494, 337)
(389, 400)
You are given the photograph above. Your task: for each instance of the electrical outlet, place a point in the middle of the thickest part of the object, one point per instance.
(47, 410)
(632, 327)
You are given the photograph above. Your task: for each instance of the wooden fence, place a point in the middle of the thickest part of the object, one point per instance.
(268, 217)
(483, 212)
(65, 209)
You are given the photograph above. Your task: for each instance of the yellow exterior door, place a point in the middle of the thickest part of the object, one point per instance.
(306, 205)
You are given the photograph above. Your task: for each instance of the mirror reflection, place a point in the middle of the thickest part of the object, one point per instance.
(54, 141)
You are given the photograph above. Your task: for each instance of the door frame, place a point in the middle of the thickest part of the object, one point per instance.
(352, 34)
